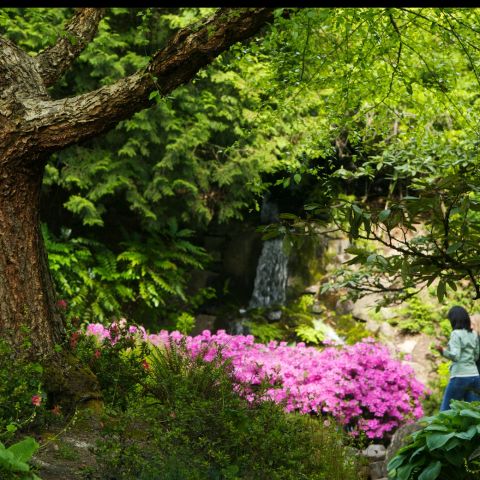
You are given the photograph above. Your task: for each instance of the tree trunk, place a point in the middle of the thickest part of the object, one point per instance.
(26, 288)
(28, 309)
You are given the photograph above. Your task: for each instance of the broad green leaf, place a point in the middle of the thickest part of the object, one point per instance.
(437, 440)
(384, 214)
(396, 461)
(431, 472)
(469, 434)
(24, 449)
(470, 413)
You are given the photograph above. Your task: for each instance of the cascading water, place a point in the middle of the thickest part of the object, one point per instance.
(271, 276)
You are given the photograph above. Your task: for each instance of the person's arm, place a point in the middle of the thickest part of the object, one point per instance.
(453, 349)
(476, 353)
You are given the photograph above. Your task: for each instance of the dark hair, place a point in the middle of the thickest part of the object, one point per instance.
(459, 319)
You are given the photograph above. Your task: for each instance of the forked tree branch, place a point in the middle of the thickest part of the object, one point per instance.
(79, 32)
(58, 123)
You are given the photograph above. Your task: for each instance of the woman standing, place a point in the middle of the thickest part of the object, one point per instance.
(463, 349)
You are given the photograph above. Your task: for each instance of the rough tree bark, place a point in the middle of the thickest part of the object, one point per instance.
(33, 125)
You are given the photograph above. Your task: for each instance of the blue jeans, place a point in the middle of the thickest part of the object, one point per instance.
(461, 388)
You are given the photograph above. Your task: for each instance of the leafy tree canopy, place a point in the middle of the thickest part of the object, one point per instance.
(378, 103)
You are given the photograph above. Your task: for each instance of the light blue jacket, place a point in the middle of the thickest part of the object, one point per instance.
(463, 349)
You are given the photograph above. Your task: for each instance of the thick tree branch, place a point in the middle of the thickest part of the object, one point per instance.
(79, 32)
(59, 123)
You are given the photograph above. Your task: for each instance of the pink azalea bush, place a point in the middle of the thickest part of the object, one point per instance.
(360, 385)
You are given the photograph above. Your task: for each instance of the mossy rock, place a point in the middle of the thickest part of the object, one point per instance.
(71, 384)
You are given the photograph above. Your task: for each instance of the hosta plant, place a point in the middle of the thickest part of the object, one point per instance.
(445, 448)
(14, 460)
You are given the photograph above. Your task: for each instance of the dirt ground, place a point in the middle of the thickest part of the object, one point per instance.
(67, 453)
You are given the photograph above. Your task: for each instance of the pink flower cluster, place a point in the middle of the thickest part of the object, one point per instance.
(360, 385)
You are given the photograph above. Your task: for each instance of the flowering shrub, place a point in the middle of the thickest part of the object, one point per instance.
(361, 385)
(117, 358)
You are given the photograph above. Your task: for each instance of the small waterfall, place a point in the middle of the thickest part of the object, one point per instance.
(271, 277)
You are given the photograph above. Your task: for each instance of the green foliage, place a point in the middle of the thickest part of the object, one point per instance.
(443, 371)
(443, 448)
(194, 425)
(100, 284)
(16, 391)
(418, 316)
(351, 330)
(185, 323)
(379, 103)
(14, 460)
(264, 331)
(299, 316)
(120, 367)
(311, 335)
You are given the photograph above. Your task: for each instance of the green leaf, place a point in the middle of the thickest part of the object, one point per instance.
(24, 449)
(154, 94)
(437, 440)
(441, 289)
(475, 454)
(288, 216)
(454, 247)
(395, 462)
(384, 214)
(431, 472)
(467, 412)
(357, 209)
(403, 472)
(469, 434)
(437, 428)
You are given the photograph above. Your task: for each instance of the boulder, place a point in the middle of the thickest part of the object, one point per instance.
(373, 326)
(408, 345)
(274, 315)
(317, 308)
(377, 470)
(344, 307)
(375, 452)
(387, 332)
(312, 289)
